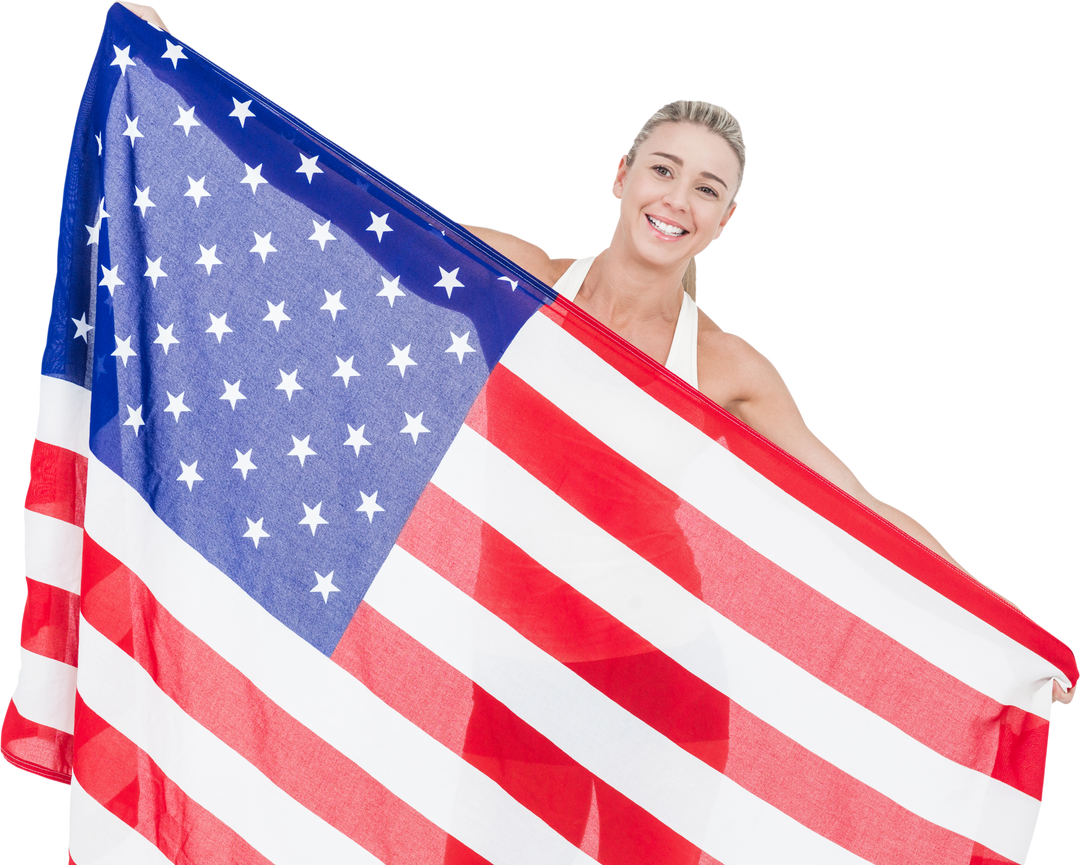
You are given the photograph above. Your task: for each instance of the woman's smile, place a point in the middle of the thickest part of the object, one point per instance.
(666, 229)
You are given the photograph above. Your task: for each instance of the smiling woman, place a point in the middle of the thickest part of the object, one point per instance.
(677, 187)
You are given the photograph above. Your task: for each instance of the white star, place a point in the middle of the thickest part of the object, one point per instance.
(460, 346)
(218, 327)
(132, 130)
(241, 111)
(188, 474)
(289, 385)
(356, 439)
(110, 278)
(301, 450)
(513, 282)
(123, 349)
(176, 405)
(101, 214)
(232, 393)
(322, 233)
(390, 289)
(325, 585)
(255, 530)
(153, 269)
(333, 304)
(276, 314)
(82, 328)
(135, 419)
(142, 200)
(253, 177)
(312, 517)
(449, 281)
(186, 119)
(196, 189)
(378, 225)
(414, 426)
(165, 337)
(262, 244)
(123, 59)
(244, 464)
(345, 370)
(308, 166)
(97, 138)
(95, 232)
(401, 358)
(208, 259)
(173, 53)
(369, 506)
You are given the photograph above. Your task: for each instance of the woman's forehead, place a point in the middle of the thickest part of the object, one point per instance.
(697, 147)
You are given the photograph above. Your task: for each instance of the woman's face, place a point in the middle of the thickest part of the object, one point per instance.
(677, 195)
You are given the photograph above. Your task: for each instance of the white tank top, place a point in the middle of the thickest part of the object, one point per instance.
(682, 356)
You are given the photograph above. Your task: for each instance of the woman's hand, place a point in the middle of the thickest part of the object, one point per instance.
(147, 13)
(1061, 695)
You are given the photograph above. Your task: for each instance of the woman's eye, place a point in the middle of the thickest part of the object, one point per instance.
(662, 170)
(708, 190)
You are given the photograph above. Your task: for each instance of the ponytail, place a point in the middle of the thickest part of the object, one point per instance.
(689, 280)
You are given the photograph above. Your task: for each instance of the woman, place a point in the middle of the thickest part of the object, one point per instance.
(677, 186)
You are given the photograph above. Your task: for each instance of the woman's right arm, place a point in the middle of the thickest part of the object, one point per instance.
(524, 254)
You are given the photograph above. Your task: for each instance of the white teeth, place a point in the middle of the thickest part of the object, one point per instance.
(664, 228)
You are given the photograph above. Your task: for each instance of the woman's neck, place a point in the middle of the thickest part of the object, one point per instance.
(622, 292)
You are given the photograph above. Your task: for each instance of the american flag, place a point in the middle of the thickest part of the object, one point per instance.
(348, 542)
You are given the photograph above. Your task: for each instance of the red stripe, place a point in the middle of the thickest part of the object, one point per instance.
(436, 697)
(36, 748)
(50, 625)
(213, 692)
(57, 483)
(822, 637)
(809, 487)
(666, 696)
(126, 781)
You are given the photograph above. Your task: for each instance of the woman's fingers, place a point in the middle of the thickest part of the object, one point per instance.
(148, 11)
(1061, 695)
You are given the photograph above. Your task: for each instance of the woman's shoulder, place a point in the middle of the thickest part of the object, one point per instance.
(526, 255)
(730, 370)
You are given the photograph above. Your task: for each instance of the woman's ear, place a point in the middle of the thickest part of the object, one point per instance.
(727, 220)
(620, 178)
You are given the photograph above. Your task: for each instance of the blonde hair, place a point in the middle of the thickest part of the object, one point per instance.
(712, 117)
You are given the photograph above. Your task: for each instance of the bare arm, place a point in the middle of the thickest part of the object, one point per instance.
(524, 254)
(767, 406)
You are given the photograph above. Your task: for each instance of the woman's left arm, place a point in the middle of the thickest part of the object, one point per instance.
(766, 405)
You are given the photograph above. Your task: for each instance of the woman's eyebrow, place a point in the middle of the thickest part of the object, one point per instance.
(678, 161)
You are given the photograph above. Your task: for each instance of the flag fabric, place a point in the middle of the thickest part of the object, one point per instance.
(348, 541)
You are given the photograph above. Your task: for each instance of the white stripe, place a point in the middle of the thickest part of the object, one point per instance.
(689, 796)
(770, 521)
(64, 415)
(45, 693)
(118, 689)
(53, 552)
(313, 689)
(99, 837)
(764, 682)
